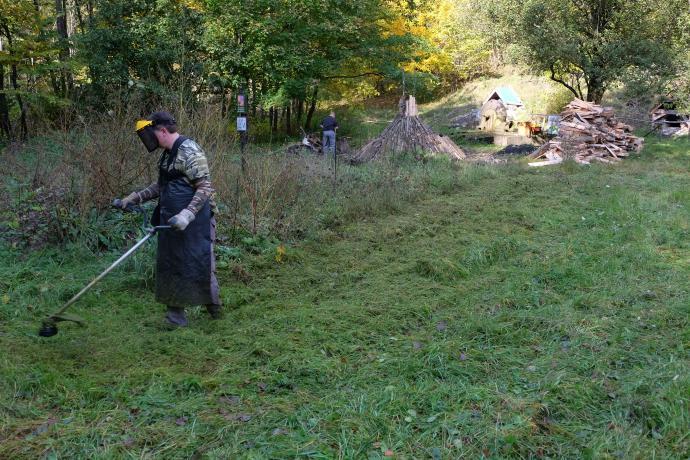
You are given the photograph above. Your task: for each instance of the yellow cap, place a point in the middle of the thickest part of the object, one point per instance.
(141, 124)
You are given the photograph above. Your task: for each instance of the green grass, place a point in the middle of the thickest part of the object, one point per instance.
(539, 94)
(513, 313)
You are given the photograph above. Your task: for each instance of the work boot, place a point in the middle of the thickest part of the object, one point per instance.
(176, 316)
(215, 311)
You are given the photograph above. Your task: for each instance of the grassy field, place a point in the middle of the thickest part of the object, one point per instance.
(516, 313)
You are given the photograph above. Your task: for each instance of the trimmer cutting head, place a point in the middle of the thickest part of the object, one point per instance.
(48, 328)
(49, 325)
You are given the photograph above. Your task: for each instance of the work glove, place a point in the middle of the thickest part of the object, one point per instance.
(180, 220)
(132, 198)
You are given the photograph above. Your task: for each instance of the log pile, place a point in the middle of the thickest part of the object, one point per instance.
(684, 130)
(311, 143)
(669, 120)
(407, 134)
(589, 132)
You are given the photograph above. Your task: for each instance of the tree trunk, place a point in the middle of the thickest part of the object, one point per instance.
(312, 107)
(71, 18)
(63, 45)
(254, 99)
(4, 108)
(20, 101)
(595, 90)
(80, 18)
(54, 82)
(223, 103)
(89, 10)
(61, 27)
(15, 85)
(287, 120)
(300, 112)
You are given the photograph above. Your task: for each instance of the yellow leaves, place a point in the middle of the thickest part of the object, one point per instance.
(5, 299)
(193, 5)
(396, 27)
(431, 23)
(280, 253)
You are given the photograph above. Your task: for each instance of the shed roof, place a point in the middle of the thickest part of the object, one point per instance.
(505, 94)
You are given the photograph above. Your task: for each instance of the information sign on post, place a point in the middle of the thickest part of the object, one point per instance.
(241, 124)
(241, 112)
(242, 121)
(241, 102)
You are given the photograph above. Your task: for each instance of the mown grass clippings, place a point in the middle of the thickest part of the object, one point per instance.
(522, 314)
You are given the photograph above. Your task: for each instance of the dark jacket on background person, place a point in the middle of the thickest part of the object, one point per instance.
(329, 124)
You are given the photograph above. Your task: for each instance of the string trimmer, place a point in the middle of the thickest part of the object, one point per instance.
(49, 325)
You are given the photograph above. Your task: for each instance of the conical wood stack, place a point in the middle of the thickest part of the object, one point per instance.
(408, 134)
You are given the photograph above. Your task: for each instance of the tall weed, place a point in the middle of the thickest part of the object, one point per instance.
(69, 178)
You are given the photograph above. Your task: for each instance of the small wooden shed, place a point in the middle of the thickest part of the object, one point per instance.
(499, 110)
(507, 96)
(666, 116)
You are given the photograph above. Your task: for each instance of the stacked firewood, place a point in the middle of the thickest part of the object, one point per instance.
(589, 132)
(684, 130)
(669, 121)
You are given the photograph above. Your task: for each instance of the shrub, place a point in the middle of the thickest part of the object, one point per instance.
(68, 180)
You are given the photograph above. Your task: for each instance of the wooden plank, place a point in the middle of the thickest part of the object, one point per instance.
(536, 164)
(610, 151)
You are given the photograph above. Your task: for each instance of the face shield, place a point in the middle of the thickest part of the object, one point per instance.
(146, 133)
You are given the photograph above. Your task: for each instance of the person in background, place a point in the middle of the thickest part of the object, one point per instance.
(329, 127)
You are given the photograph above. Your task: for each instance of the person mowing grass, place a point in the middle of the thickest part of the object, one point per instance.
(185, 263)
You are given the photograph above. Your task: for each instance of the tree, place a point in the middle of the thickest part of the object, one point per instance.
(285, 49)
(35, 65)
(587, 45)
(680, 86)
(493, 23)
(23, 53)
(145, 47)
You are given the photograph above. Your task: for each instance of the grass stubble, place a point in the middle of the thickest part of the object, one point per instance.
(503, 312)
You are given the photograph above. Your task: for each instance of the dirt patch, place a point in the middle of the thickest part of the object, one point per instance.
(516, 150)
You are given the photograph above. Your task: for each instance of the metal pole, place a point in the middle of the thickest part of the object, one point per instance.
(242, 144)
(242, 112)
(111, 268)
(335, 165)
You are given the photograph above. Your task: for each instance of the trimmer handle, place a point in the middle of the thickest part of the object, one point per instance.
(131, 207)
(158, 228)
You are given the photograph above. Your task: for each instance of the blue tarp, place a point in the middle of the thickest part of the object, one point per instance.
(507, 95)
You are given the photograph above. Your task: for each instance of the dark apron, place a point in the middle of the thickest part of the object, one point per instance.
(184, 259)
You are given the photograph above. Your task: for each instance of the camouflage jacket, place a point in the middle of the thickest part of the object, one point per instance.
(192, 163)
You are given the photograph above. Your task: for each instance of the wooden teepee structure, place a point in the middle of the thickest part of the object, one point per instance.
(407, 133)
